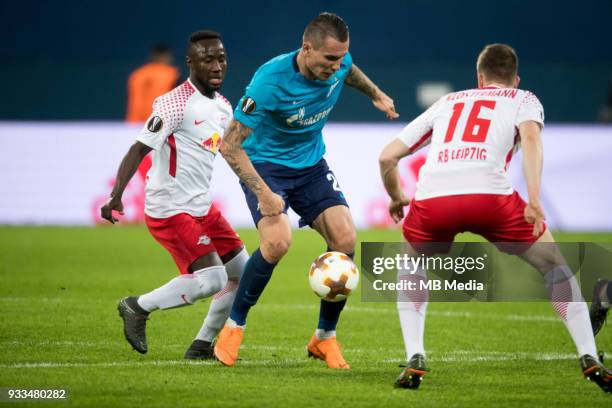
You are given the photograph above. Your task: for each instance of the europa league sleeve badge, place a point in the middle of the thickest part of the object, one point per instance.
(155, 124)
(248, 105)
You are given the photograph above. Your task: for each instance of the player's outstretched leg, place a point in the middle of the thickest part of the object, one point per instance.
(595, 371)
(413, 374)
(412, 308)
(323, 344)
(256, 275)
(181, 291)
(202, 347)
(602, 295)
(275, 236)
(134, 323)
(336, 226)
(566, 298)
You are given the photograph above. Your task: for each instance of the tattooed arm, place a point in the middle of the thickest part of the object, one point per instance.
(358, 80)
(270, 203)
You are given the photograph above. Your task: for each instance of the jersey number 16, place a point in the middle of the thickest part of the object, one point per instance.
(472, 122)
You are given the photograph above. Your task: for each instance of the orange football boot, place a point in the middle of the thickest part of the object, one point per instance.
(327, 350)
(227, 345)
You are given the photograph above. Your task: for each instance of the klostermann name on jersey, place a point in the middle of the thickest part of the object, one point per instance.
(287, 112)
(473, 135)
(185, 132)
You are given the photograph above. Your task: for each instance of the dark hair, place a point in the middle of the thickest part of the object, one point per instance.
(204, 35)
(498, 62)
(326, 25)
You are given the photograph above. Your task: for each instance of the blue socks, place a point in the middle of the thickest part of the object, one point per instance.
(329, 312)
(256, 275)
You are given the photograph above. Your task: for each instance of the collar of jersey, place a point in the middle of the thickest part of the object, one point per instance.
(195, 88)
(494, 87)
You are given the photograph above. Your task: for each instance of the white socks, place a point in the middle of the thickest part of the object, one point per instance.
(221, 305)
(185, 289)
(324, 334)
(412, 306)
(232, 324)
(578, 324)
(222, 281)
(565, 296)
(569, 304)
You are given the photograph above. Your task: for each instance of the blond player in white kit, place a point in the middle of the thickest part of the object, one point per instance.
(463, 187)
(184, 132)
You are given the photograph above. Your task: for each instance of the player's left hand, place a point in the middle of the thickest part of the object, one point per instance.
(534, 214)
(113, 204)
(396, 209)
(384, 103)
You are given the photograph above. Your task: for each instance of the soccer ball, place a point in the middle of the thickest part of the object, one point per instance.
(333, 276)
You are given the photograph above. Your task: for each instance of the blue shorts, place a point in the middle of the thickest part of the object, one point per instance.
(308, 191)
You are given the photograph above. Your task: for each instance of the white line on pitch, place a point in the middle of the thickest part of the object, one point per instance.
(461, 356)
(365, 309)
(492, 356)
(123, 345)
(185, 363)
(357, 309)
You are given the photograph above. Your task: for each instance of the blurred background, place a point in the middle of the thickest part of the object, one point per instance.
(70, 60)
(65, 68)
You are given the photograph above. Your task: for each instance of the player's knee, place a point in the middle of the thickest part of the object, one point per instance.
(344, 242)
(218, 281)
(273, 250)
(214, 278)
(544, 265)
(235, 266)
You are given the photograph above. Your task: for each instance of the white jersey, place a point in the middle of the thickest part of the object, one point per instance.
(473, 135)
(185, 131)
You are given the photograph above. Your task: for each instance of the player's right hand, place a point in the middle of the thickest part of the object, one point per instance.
(107, 209)
(534, 214)
(271, 204)
(396, 209)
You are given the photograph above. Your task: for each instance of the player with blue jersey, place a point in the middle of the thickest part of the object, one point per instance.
(275, 146)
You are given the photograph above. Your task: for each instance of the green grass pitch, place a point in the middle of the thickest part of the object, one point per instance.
(59, 328)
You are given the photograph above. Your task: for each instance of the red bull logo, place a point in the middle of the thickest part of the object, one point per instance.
(213, 143)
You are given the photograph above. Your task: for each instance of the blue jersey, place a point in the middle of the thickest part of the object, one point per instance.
(287, 112)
